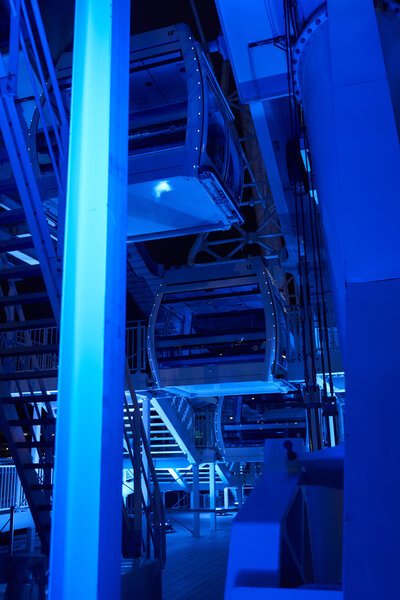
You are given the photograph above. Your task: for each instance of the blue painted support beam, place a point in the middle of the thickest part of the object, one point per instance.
(15, 142)
(181, 482)
(352, 115)
(365, 106)
(86, 532)
(15, 19)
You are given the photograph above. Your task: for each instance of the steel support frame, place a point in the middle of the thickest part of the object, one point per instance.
(30, 195)
(181, 482)
(17, 143)
(86, 532)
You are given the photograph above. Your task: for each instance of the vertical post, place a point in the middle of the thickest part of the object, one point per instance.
(11, 532)
(213, 516)
(30, 540)
(18, 490)
(137, 481)
(340, 421)
(146, 407)
(36, 431)
(86, 530)
(312, 404)
(195, 500)
(226, 498)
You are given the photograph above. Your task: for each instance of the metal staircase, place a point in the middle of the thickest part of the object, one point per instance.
(27, 410)
(162, 443)
(29, 365)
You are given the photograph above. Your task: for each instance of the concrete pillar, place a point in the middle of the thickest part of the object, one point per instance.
(85, 560)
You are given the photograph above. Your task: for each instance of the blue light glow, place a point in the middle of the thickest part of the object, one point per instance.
(161, 187)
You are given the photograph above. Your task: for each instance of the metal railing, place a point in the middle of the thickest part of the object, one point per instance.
(135, 343)
(38, 338)
(11, 491)
(204, 429)
(294, 317)
(34, 338)
(332, 334)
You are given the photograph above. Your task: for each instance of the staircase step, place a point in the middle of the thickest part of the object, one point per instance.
(12, 216)
(28, 375)
(29, 398)
(24, 325)
(24, 298)
(42, 444)
(31, 422)
(29, 350)
(16, 243)
(20, 271)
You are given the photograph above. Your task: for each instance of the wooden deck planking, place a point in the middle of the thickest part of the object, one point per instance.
(196, 567)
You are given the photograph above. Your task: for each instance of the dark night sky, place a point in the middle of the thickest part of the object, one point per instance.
(152, 14)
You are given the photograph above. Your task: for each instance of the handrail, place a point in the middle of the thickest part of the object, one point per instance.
(39, 337)
(156, 505)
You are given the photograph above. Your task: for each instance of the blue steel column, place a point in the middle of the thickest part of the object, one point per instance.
(369, 158)
(348, 74)
(86, 531)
